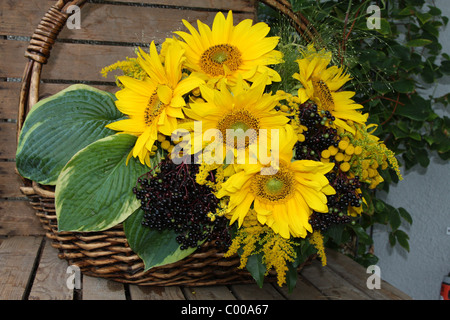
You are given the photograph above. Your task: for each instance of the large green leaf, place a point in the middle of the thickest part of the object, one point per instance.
(59, 126)
(94, 190)
(256, 268)
(155, 248)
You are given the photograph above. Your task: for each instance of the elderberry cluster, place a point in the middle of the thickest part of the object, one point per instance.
(346, 195)
(173, 200)
(320, 136)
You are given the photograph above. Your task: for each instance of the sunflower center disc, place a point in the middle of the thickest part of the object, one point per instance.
(153, 109)
(219, 57)
(240, 121)
(274, 185)
(323, 92)
(276, 188)
(214, 58)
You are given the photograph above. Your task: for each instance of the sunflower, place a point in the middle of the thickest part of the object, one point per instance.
(223, 52)
(154, 103)
(284, 200)
(237, 113)
(321, 84)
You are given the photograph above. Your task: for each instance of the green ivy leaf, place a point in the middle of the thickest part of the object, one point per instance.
(59, 126)
(155, 248)
(94, 190)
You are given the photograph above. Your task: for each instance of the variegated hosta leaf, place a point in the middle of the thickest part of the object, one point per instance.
(94, 190)
(59, 126)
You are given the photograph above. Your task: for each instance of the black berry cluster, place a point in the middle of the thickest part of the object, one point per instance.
(173, 200)
(320, 136)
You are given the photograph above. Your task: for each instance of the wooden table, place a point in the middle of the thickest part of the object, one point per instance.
(110, 31)
(31, 270)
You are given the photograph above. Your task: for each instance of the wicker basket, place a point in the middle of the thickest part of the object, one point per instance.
(107, 253)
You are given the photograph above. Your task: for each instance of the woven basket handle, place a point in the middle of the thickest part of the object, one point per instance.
(38, 52)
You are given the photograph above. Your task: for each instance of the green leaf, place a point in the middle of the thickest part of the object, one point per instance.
(406, 11)
(94, 190)
(402, 239)
(418, 42)
(394, 219)
(423, 17)
(379, 205)
(361, 233)
(445, 67)
(403, 86)
(385, 27)
(291, 277)
(405, 215)
(304, 251)
(434, 11)
(256, 268)
(155, 248)
(416, 109)
(59, 126)
(335, 232)
(422, 158)
(381, 87)
(392, 240)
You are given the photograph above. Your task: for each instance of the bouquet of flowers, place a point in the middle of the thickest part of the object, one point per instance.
(195, 147)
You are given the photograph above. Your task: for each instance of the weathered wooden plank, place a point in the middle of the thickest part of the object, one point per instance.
(331, 284)
(102, 289)
(254, 292)
(68, 61)
(119, 23)
(50, 282)
(17, 257)
(18, 218)
(10, 182)
(356, 274)
(8, 138)
(208, 293)
(155, 293)
(302, 291)
(9, 99)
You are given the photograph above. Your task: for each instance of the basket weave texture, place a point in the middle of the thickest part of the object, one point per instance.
(107, 253)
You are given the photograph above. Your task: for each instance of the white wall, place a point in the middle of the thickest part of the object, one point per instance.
(425, 194)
